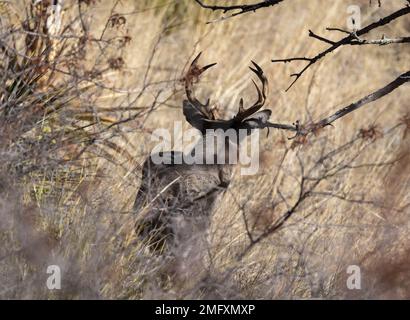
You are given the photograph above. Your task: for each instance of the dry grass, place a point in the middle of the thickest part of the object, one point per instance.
(78, 215)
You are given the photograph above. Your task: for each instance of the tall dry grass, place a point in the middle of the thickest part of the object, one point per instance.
(71, 204)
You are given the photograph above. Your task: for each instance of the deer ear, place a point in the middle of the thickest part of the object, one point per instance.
(257, 120)
(193, 115)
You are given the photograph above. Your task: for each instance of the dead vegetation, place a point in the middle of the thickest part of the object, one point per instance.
(83, 88)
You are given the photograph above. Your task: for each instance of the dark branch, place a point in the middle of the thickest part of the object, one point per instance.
(304, 130)
(405, 77)
(241, 9)
(350, 39)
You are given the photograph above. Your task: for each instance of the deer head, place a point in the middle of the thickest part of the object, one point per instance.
(202, 117)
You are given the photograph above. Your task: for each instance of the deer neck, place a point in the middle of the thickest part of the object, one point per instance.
(218, 150)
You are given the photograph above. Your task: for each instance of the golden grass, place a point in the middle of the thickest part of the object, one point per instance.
(89, 230)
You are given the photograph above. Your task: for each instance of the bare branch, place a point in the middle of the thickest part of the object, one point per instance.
(351, 39)
(404, 78)
(308, 188)
(241, 8)
(304, 130)
(359, 41)
(381, 42)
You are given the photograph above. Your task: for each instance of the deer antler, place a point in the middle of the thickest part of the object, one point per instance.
(244, 113)
(192, 75)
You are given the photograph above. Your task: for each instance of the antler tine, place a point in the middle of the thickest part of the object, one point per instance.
(193, 73)
(196, 59)
(261, 95)
(242, 113)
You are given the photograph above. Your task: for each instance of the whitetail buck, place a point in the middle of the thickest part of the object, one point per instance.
(175, 200)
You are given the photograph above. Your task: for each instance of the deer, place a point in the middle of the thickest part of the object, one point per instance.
(175, 201)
